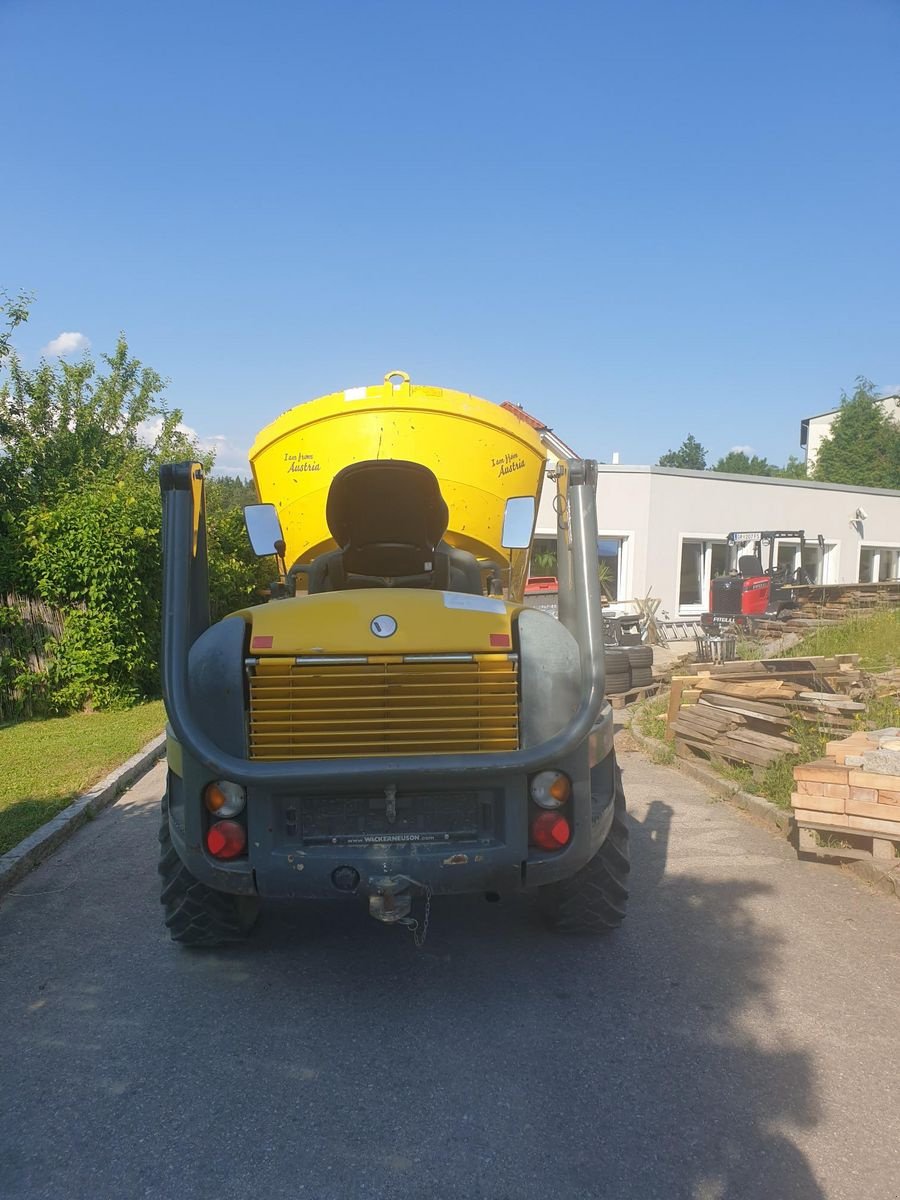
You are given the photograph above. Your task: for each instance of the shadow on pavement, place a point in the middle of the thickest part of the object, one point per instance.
(500, 1061)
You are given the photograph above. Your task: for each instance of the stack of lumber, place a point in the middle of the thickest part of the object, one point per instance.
(831, 672)
(746, 712)
(838, 601)
(855, 788)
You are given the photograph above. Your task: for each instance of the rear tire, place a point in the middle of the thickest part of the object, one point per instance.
(593, 900)
(195, 915)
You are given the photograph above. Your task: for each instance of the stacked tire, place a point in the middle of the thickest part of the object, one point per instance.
(640, 660)
(618, 671)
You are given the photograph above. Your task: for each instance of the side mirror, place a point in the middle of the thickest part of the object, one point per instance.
(263, 529)
(518, 522)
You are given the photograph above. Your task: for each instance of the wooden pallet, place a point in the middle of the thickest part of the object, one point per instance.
(882, 849)
(621, 699)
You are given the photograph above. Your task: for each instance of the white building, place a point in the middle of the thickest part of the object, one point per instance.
(813, 430)
(664, 531)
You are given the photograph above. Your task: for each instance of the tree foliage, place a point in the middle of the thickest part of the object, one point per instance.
(236, 575)
(80, 515)
(794, 468)
(863, 448)
(690, 456)
(738, 462)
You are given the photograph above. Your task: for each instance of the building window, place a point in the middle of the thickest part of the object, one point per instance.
(610, 551)
(701, 561)
(790, 558)
(878, 564)
(543, 556)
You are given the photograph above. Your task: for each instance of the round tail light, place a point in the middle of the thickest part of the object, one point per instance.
(226, 839)
(550, 789)
(224, 799)
(550, 831)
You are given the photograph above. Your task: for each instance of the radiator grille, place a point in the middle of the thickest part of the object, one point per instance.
(341, 710)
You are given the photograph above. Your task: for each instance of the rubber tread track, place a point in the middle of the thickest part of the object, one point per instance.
(195, 915)
(594, 899)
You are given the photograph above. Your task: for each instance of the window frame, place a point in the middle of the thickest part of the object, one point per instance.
(891, 547)
(707, 540)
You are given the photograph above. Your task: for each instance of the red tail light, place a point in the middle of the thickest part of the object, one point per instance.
(550, 831)
(226, 839)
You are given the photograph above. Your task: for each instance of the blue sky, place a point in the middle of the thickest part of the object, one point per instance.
(635, 219)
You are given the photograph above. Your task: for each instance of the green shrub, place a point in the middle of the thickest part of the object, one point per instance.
(650, 717)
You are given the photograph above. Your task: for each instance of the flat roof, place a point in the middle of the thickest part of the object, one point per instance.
(724, 477)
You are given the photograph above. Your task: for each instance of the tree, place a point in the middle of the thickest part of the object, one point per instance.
(863, 449)
(737, 462)
(794, 468)
(80, 515)
(236, 576)
(690, 456)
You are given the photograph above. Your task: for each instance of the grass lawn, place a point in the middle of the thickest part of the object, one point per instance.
(875, 638)
(47, 763)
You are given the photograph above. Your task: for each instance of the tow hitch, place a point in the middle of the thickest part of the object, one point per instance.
(391, 902)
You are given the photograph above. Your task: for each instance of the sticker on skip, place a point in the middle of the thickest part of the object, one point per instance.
(473, 603)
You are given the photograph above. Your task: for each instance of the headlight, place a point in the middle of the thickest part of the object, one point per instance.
(550, 789)
(224, 799)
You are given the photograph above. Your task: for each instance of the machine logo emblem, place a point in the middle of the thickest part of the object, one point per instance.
(383, 626)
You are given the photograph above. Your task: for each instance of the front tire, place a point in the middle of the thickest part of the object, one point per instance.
(195, 915)
(593, 900)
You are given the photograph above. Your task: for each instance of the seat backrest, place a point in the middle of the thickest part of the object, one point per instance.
(388, 517)
(750, 565)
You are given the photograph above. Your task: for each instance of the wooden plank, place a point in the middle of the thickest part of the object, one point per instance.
(707, 731)
(832, 701)
(820, 804)
(871, 779)
(678, 685)
(764, 689)
(878, 812)
(745, 752)
(753, 720)
(698, 733)
(837, 822)
(823, 770)
(764, 740)
(742, 704)
(870, 825)
(719, 717)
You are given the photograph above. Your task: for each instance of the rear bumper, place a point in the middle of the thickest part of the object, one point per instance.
(294, 853)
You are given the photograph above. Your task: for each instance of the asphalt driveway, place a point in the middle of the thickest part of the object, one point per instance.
(736, 1039)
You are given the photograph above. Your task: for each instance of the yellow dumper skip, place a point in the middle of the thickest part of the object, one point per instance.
(481, 455)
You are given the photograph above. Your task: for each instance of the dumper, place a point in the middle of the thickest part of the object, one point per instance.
(392, 724)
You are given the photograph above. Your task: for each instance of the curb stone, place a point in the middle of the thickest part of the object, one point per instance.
(32, 850)
(884, 879)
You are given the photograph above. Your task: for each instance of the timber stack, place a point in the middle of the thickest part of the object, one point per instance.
(838, 601)
(847, 805)
(748, 712)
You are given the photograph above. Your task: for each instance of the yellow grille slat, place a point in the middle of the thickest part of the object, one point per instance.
(382, 707)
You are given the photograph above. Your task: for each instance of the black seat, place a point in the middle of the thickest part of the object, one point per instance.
(388, 517)
(750, 565)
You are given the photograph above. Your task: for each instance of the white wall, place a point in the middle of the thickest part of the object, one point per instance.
(657, 508)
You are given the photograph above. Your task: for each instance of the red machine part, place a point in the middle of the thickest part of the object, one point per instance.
(755, 595)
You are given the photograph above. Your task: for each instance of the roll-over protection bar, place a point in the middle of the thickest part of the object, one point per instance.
(185, 599)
